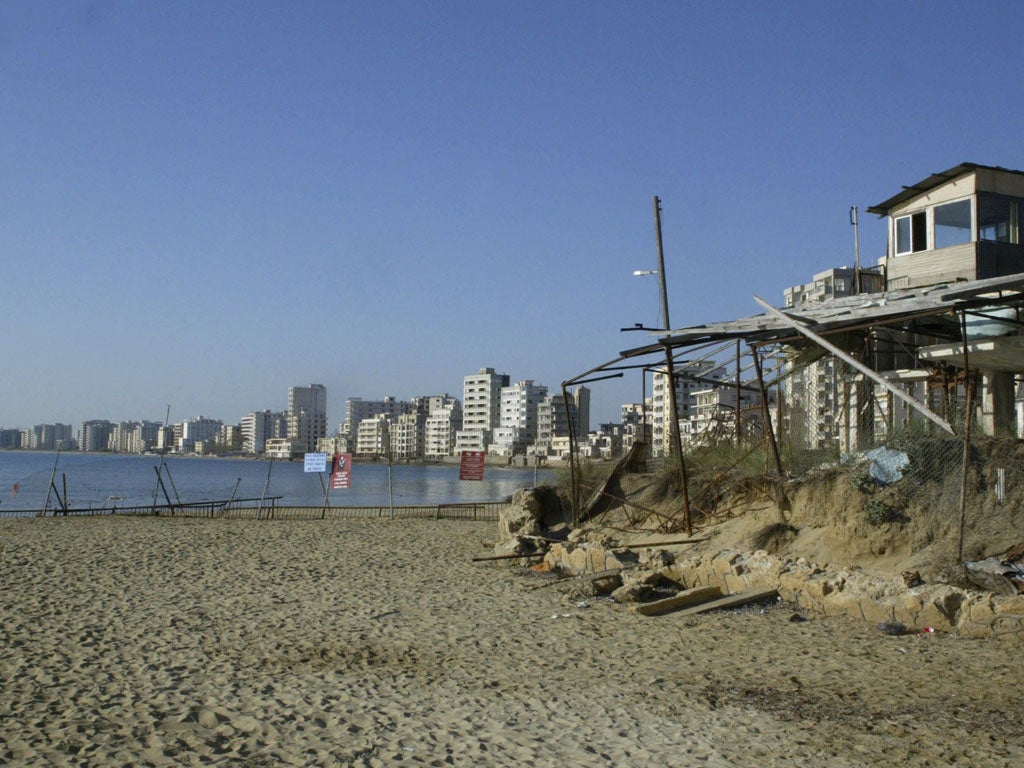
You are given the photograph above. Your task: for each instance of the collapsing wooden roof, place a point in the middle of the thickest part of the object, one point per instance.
(930, 310)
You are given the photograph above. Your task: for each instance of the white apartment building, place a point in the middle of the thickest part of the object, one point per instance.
(553, 418)
(335, 444)
(94, 435)
(230, 436)
(198, 430)
(280, 448)
(259, 426)
(553, 421)
(714, 415)
(134, 436)
(481, 409)
(47, 437)
(307, 415)
(833, 284)
(408, 437)
(517, 427)
(690, 378)
(373, 435)
(357, 409)
(444, 419)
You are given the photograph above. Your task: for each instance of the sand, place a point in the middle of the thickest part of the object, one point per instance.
(378, 643)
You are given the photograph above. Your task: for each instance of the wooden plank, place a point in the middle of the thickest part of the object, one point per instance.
(732, 601)
(686, 597)
(656, 544)
(482, 558)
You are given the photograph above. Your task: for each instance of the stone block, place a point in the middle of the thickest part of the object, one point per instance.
(932, 616)
(791, 585)
(578, 560)
(877, 612)
(842, 604)
(1008, 604)
(654, 559)
(820, 585)
(725, 563)
(1008, 626)
(981, 610)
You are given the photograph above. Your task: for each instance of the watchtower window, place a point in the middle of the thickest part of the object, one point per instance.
(912, 233)
(953, 224)
(996, 219)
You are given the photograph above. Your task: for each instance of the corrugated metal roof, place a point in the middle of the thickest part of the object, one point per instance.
(933, 181)
(850, 312)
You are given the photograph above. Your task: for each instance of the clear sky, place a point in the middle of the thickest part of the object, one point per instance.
(204, 203)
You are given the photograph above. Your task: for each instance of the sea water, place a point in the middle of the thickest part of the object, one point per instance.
(106, 480)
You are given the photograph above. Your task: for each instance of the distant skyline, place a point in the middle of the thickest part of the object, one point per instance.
(203, 204)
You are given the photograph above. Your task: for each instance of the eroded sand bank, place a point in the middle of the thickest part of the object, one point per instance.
(378, 643)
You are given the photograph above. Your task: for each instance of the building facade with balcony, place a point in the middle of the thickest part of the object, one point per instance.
(481, 409)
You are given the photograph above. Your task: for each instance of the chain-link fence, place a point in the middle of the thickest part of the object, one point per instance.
(931, 440)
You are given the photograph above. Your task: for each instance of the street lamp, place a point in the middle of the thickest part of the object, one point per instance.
(664, 296)
(660, 271)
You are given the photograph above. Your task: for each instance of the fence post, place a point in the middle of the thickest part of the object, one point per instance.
(766, 412)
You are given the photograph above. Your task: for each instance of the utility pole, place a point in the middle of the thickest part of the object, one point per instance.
(677, 442)
(666, 324)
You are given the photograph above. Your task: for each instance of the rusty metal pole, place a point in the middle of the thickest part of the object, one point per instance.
(766, 412)
(739, 393)
(573, 469)
(677, 442)
(643, 416)
(969, 386)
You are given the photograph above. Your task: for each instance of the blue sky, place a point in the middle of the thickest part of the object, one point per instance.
(204, 203)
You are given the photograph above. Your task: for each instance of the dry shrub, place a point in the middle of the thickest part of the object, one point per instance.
(773, 538)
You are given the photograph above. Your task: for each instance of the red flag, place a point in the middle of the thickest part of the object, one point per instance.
(14, 490)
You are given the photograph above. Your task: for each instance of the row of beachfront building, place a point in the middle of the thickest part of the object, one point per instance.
(962, 224)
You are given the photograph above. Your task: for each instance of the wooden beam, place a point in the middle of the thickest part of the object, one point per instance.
(732, 601)
(687, 597)
(796, 325)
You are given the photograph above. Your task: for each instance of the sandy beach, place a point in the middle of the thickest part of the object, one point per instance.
(166, 642)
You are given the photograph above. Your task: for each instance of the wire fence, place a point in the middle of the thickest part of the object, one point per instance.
(267, 509)
(935, 438)
(86, 484)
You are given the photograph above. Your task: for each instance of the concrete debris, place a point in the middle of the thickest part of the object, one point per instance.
(875, 597)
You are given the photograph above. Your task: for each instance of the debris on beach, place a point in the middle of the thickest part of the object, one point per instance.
(893, 628)
(887, 465)
(1002, 574)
